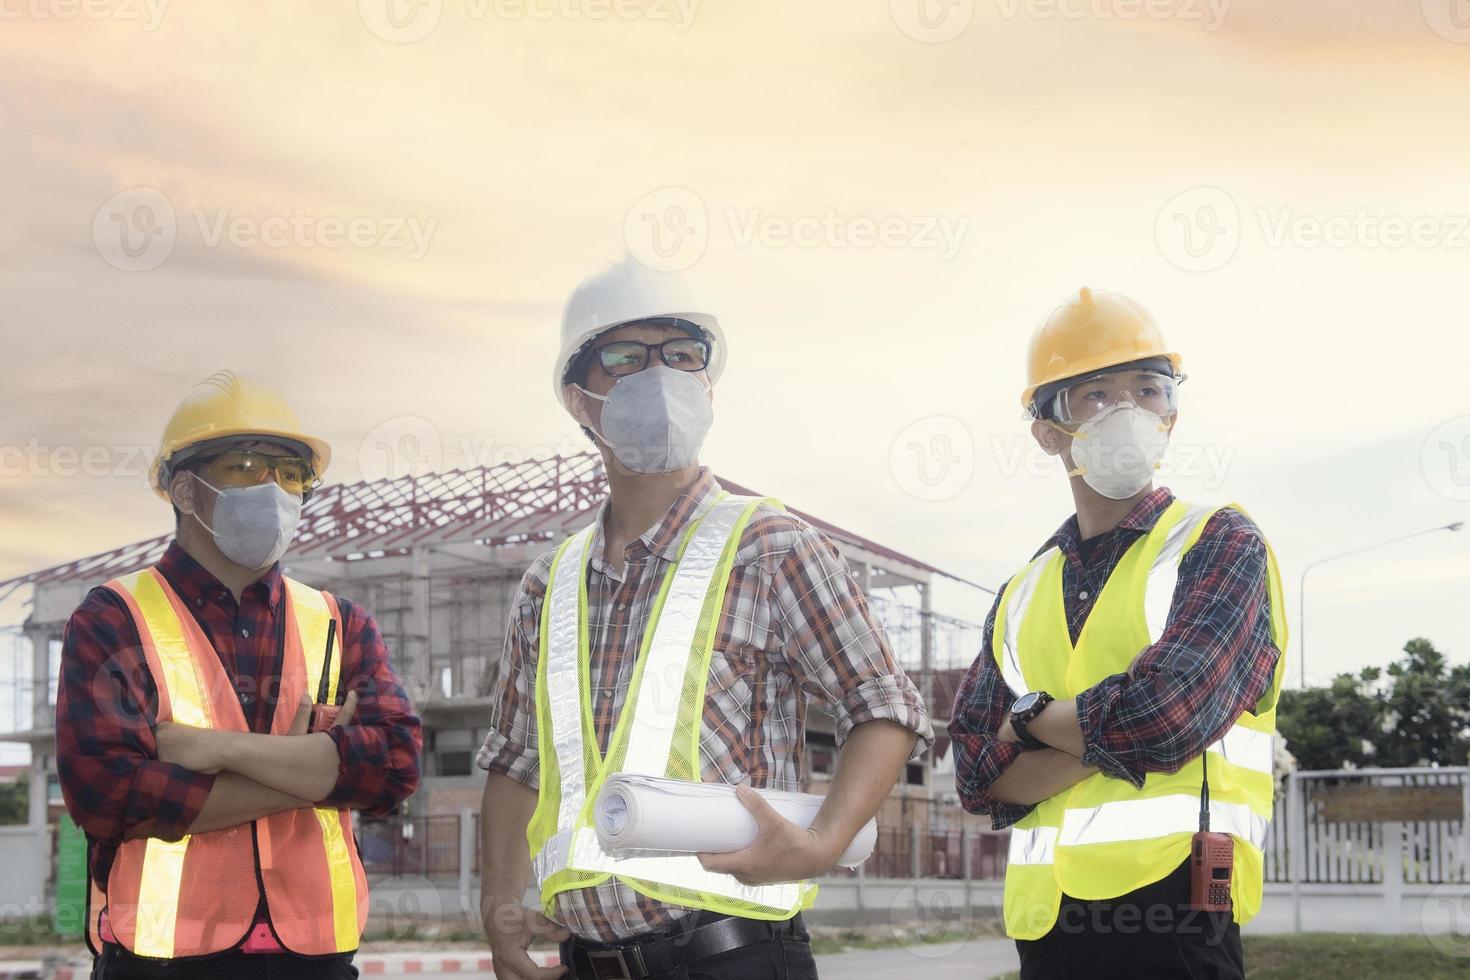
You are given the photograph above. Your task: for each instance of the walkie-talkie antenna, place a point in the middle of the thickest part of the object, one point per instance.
(1204, 793)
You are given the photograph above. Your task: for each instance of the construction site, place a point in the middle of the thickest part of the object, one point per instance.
(437, 559)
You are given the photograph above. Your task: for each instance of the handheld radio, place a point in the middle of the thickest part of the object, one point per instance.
(1211, 858)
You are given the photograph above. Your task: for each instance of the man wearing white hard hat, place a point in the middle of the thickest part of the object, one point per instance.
(740, 611)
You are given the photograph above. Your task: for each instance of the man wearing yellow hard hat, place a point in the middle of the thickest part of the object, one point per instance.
(741, 613)
(1120, 717)
(217, 721)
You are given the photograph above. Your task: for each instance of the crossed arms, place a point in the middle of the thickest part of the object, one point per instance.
(125, 777)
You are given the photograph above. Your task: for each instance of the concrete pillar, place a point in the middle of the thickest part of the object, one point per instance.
(1393, 876)
(967, 863)
(43, 713)
(417, 640)
(467, 900)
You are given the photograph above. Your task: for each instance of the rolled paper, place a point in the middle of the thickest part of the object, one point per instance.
(653, 814)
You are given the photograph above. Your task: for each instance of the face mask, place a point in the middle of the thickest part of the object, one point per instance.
(1117, 451)
(253, 525)
(655, 421)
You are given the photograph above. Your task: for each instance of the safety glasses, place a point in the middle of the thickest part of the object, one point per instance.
(1157, 393)
(247, 468)
(624, 357)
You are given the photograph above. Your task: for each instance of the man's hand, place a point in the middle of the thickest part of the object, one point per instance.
(301, 722)
(781, 851)
(510, 927)
(1007, 732)
(198, 749)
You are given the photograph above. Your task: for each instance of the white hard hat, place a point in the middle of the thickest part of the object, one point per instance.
(627, 291)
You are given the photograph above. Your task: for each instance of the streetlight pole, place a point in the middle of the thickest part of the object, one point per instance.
(1302, 615)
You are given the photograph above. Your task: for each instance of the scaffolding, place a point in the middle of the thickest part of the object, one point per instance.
(438, 558)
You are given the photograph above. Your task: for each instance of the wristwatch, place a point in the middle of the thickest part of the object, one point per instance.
(1026, 708)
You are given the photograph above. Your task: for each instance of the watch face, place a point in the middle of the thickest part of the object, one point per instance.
(1025, 701)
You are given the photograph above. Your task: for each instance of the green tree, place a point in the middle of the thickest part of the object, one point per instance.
(1416, 713)
(15, 802)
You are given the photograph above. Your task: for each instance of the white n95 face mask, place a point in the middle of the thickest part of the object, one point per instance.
(655, 421)
(253, 526)
(1117, 451)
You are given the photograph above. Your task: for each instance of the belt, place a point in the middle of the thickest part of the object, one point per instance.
(665, 952)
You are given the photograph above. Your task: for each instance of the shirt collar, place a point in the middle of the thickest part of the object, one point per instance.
(1141, 519)
(194, 583)
(664, 537)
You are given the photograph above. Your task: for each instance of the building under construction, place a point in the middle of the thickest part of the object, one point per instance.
(437, 560)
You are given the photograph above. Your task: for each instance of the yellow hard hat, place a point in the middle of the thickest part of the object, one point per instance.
(1089, 333)
(224, 405)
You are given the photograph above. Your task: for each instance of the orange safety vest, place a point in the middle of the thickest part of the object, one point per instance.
(199, 895)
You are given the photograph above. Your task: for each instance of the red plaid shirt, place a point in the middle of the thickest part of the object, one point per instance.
(107, 703)
(1213, 661)
(794, 626)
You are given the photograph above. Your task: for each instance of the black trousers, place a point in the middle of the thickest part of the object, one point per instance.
(116, 963)
(786, 958)
(1149, 933)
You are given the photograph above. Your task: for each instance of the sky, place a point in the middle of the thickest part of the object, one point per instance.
(380, 206)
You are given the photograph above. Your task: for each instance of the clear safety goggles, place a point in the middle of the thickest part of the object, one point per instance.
(1083, 400)
(247, 468)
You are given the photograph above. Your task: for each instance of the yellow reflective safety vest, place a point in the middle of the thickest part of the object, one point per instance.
(198, 895)
(1103, 837)
(656, 733)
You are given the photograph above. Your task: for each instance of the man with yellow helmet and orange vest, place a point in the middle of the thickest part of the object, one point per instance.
(1125, 695)
(218, 721)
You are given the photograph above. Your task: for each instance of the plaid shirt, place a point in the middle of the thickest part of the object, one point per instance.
(1214, 660)
(794, 625)
(107, 703)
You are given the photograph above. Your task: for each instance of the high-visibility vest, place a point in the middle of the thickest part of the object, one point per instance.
(1103, 837)
(199, 895)
(656, 734)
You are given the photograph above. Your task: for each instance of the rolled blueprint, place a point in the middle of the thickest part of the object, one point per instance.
(648, 813)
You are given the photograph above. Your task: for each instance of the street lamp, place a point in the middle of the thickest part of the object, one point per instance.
(1302, 618)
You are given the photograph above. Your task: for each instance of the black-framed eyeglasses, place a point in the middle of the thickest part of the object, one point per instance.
(623, 357)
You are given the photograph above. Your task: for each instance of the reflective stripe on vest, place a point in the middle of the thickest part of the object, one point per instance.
(163, 861)
(1157, 816)
(312, 618)
(682, 619)
(303, 872)
(1010, 667)
(1034, 846)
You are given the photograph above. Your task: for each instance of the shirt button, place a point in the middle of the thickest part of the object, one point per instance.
(1083, 594)
(199, 600)
(245, 632)
(622, 607)
(608, 693)
(245, 698)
